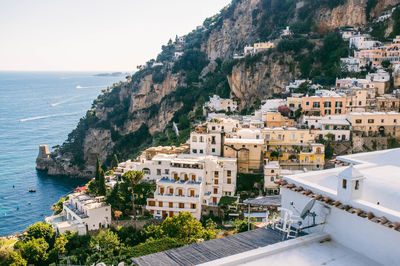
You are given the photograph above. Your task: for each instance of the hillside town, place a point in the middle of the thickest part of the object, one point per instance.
(307, 175)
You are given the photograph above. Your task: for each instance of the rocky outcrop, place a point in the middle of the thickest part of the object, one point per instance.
(270, 75)
(235, 32)
(351, 13)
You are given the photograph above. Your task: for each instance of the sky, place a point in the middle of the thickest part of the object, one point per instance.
(93, 35)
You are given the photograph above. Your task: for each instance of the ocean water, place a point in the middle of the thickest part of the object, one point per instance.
(38, 108)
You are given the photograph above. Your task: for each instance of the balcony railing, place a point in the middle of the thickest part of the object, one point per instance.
(76, 211)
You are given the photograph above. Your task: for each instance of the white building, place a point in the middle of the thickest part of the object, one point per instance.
(205, 142)
(248, 50)
(336, 125)
(357, 216)
(272, 105)
(217, 103)
(81, 213)
(193, 181)
(352, 64)
(177, 55)
(380, 76)
(295, 84)
(362, 41)
(286, 31)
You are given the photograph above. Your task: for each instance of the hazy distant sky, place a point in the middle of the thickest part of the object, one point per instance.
(100, 35)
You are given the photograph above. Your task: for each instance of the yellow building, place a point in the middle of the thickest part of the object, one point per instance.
(294, 148)
(388, 104)
(360, 99)
(375, 123)
(249, 153)
(277, 120)
(261, 46)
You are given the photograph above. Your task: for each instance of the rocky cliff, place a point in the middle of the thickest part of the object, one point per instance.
(136, 113)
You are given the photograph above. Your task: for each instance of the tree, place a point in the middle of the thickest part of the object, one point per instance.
(284, 110)
(275, 154)
(35, 251)
(115, 162)
(108, 246)
(133, 178)
(385, 63)
(58, 249)
(16, 259)
(184, 227)
(40, 230)
(102, 184)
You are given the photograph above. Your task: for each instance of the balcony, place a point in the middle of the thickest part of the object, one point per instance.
(76, 211)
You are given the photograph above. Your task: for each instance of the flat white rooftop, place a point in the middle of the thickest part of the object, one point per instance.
(314, 249)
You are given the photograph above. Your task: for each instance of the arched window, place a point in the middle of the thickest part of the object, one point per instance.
(146, 171)
(194, 139)
(201, 139)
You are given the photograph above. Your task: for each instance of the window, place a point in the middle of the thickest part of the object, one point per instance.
(212, 139)
(213, 150)
(146, 171)
(181, 205)
(215, 181)
(358, 121)
(344, 184)
(152, 203)
(327, 104)
(160, 204)
(279, 136)
(293, 136)
(338, 111)
(272, 171)
(161, 190)
(201, 151)
(215, 190)
(370, 121)
(316, 104)
(359, 103)
(194, 139)
(216, 174)
(159, 162)
(395, 121)
(382, 120)
(193, 206)
(307, 103)
(201, 139)
(180, 192)
(194, 150)
(272, 179)
(158, 171)
(171, 205)
(213, 127)
(171, 191)
(194, 178)
(338, 104)
(229, 181)
(166, 171)
(229, 173)
(357, 185)
(267, 137)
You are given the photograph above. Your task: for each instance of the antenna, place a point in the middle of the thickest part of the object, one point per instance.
(306, 210)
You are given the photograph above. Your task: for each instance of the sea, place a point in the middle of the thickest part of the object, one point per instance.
(38, 108)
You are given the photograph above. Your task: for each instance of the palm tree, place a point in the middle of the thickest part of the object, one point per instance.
(133, 178)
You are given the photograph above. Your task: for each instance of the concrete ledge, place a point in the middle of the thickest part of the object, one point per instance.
(255, 254)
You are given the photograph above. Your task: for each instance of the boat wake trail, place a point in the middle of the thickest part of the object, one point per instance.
(88, 87)
(67, 100)
(45, 116)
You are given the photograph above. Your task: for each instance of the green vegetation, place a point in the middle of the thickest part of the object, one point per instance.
(133, 178)
(371, 4)
(58, 206)
(245, 182)
(42, 246)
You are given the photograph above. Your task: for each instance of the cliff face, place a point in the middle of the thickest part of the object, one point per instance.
(261, 81)
(125, 119)
(351, 13)
(236, 31)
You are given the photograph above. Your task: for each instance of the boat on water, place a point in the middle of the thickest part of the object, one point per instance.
(32, 190)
